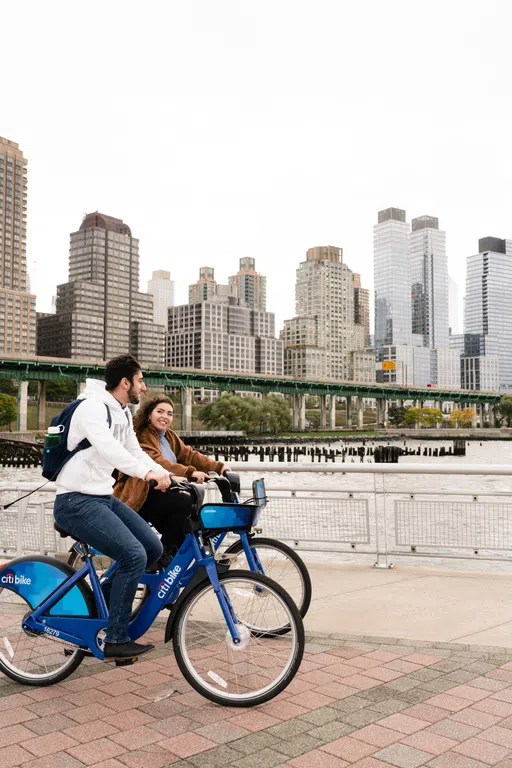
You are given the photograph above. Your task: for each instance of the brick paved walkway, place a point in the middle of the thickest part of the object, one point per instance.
(359, 702)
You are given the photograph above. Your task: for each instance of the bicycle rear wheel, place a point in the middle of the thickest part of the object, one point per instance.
(263, 664)
(35, 658)
(280, 563)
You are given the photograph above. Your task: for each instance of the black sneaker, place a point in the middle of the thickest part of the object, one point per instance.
(124, 651)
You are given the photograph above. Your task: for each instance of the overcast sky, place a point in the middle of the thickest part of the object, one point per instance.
(225, 128)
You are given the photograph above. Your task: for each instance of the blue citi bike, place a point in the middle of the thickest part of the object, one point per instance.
(260, 554)
(237, 637)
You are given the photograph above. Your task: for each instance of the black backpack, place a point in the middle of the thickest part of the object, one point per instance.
(55, 452)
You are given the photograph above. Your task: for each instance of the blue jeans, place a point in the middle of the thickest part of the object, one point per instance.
(107, 524)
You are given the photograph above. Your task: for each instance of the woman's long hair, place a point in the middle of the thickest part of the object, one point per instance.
(142, 418)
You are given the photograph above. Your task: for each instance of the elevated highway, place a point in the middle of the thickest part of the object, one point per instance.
(44, 369)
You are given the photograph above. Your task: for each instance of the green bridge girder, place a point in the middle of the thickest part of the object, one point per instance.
(55, 369)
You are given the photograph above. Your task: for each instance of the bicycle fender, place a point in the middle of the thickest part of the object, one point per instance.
(35, 577)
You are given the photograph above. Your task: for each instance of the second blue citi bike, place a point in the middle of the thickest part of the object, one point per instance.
(260, 554)
(237, 636)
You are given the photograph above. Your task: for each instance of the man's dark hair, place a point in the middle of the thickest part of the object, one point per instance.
(124, 366)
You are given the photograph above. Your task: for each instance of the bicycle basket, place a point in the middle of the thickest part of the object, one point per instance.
(227, 517)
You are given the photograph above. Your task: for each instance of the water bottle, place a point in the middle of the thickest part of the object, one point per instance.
(52, 436)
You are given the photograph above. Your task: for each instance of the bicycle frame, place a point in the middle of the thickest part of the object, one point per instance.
(165, 588)
(253, 559)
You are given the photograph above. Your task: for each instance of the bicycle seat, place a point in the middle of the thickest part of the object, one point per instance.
(63, 533)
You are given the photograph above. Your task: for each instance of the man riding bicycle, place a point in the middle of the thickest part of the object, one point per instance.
(85, 506)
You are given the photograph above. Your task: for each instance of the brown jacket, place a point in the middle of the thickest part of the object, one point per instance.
(134, 491)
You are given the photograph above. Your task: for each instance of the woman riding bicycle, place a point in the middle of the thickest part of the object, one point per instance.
(152, 425)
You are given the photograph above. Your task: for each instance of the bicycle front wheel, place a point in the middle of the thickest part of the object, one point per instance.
(264, 662)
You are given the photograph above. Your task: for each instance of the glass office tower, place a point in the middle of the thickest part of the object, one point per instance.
(488, 309)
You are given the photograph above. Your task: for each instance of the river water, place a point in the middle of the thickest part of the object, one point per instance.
(309, 486)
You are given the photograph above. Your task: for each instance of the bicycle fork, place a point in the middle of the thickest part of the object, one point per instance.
(224, 601)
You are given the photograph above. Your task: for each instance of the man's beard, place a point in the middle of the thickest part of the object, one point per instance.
(133, 399)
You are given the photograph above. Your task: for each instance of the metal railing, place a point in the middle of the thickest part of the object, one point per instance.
(399, 513)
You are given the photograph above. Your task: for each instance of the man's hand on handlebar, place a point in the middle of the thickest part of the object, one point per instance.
(162, 479)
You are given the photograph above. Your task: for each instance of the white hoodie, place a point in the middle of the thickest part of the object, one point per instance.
(90, 471)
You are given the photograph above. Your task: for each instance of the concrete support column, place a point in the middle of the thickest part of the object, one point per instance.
(80, 386)
(22, 406)
(491, 415)
(323, 411)
(382, 413)
(349, 410)
(302, 412)
(332, 412)
(41, 406)
(186, 408)
(360, 413)
(385, 405)
(295, 412)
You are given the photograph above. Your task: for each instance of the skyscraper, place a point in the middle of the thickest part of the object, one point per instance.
(331, 319)
(207, 288)
(251, 286)
(220, 333)
(411, 302)
(161, 287)
(204, 288)
(17, 304)
(392, 278)
(429, 283)
(100, 312)
(488, 309)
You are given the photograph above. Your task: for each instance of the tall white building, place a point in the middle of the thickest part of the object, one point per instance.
(488, 307)
(429, 283)
(411, 302)
(331, 318)
(392, 278)
(161, 287)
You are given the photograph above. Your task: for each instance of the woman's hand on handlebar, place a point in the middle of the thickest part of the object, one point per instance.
(161, 480)
(198, 477)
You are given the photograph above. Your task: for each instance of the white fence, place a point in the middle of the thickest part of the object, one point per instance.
(404, 510)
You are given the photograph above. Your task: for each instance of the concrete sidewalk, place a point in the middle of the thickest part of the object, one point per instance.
(415, 603)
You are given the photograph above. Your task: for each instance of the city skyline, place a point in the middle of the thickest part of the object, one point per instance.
(214, 161)
(412, 293)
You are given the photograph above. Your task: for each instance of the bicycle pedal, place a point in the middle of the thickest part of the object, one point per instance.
(126, 662)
